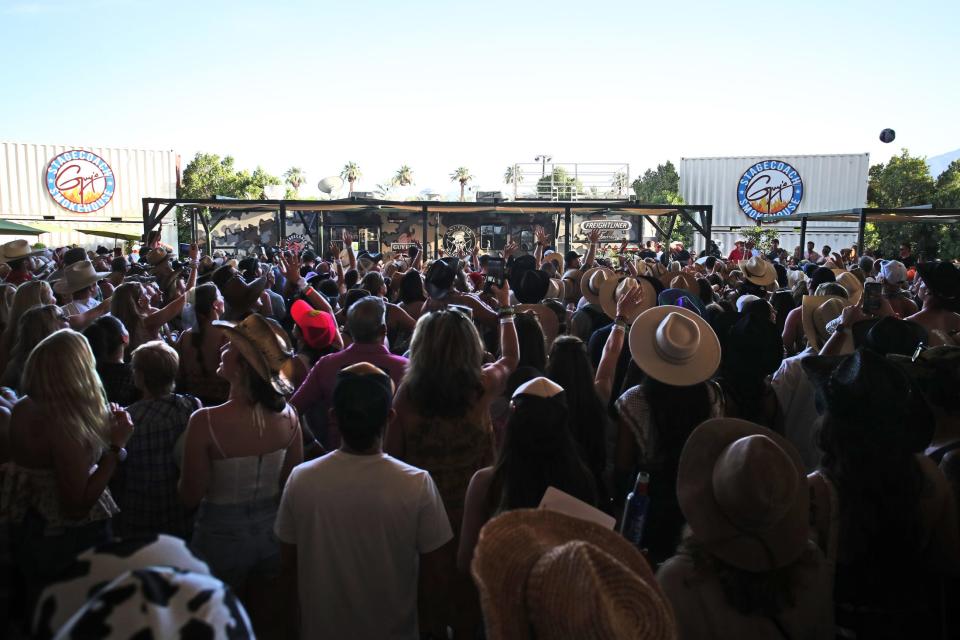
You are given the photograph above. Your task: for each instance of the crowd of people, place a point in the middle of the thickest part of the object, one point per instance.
(315, 444)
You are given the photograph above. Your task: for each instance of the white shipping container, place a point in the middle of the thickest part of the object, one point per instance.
(829, 183)
(30, 189)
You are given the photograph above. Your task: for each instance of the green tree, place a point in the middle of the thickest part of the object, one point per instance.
(947, 187)
(904, 181)
(461, 175)
(351, 173)
(658, 186)
(404, 176)
(512, 175)
(204, 177)
(559, 185)
(762, 237)
(294, 177)
(255, 182)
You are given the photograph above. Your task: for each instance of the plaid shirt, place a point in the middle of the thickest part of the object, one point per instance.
(145, 485)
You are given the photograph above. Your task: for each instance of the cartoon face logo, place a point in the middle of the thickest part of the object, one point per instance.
(459, 238)
(770, 188)
(80, 181)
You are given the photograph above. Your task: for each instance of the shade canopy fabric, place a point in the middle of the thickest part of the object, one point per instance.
(116, 234)
(8, 228)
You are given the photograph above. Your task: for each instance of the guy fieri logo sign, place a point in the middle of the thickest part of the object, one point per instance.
(80, 181)
(769, 188)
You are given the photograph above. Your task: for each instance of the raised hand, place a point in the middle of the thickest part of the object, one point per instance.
(630, 302)
(594, 236)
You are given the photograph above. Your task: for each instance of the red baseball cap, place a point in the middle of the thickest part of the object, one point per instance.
(318, 327)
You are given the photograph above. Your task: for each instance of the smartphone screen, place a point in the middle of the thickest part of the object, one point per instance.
(871, 297)
(495, 271)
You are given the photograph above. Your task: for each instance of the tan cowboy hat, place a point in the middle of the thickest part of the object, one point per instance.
(743, 490)
(571, 285)
(156, 255)
(547, 575)
(853, 286)
(686, 282)
(16, 250)
(758, 271)
(555, 289)
(77, 276)
(547, 317)
(241, 295)
(815, 313)
(591, 281)
(611, 290)
(556, 259)
(675, 346)
(263, 344)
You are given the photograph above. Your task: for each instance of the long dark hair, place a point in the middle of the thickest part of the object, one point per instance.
(675, 413)
(411, 287)
(879, 483)
(260, 391)
(533, 346)
(538, 452)
(205, 296)
(570, 367)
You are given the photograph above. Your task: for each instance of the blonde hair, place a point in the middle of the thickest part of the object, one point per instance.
(156, 364)
(61, 373)
(444, 377)
(124, 305)
(28, 295)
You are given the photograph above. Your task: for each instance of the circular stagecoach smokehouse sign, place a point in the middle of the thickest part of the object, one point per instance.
(770, 188)
(80, 181)
(459, 238)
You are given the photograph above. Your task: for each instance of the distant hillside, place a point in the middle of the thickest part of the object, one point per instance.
(938, 164)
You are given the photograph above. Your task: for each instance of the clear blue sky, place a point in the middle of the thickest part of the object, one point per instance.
(437, 85)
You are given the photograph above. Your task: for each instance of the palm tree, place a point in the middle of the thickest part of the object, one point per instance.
(351, 173)
(620, 182)
(295, 177)
(512, 175)
(404, 176)
(461, 175)
(383, 190)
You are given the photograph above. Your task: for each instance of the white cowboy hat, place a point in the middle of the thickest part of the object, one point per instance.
(853, 286)
(816, 312)
(675, 346)
(77, 276)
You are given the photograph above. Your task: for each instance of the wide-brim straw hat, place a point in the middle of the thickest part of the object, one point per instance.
(571, 285)
(675, 346)
(78, 276)
(555, 289)
(686, 281)
(263, 344)
(743, 491)
(17, 250)
(611, 290)
(591, 281)
(853, 286)
(546, 575)
(758, 271)
(241, 295)
(547, 317)
(556, 259)
(156, 255)
(815, 313)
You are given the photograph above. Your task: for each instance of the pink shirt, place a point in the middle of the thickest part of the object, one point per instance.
(316, 392)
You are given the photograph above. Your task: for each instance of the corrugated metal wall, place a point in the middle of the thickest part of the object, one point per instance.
(830, 182)
(139, 173)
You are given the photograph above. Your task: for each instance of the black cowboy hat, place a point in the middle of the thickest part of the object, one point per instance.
(942, 280)
(532, 286)
(889, 335)
(440, 277)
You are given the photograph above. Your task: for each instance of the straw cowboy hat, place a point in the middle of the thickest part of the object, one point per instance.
(264, 346)
(853, 286)
(546, 575)
(77, 276)
(758, 271)
(611, 290)
(743, 490)
(571, 285)
(686, 281)
(548, 320)
(675, 346)
(591, 281)
(156, 256)
(556, 259)
(816, 312)
(16, 250)
(555, 289)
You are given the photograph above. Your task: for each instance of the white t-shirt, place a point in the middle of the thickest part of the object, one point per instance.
(360, 524)
(76, 307)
